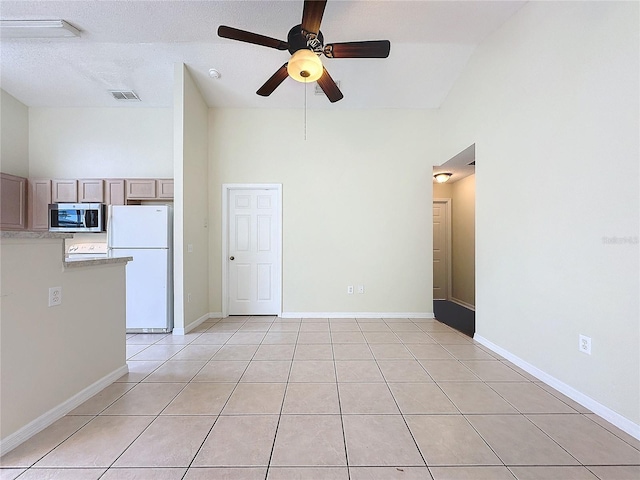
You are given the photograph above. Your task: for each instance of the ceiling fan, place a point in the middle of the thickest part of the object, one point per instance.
(305, 42)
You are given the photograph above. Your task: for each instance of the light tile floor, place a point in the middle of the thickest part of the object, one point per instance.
(270, 398)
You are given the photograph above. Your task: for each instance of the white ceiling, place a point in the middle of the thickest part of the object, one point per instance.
(133, 45)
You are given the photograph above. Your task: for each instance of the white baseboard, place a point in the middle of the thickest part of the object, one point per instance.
(602, 411)
(43, 421)
(463, 304)
(192, 325)
(356, 315)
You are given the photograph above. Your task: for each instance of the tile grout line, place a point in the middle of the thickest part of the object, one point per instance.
(454, 404)
(164, 408)
(275, 435)
(586, 415)
(159, 413)
(344, 435)
(214, 422)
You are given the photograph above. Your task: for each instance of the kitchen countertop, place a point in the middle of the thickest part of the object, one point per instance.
(66, 261)
(89, 262)
(28, 234)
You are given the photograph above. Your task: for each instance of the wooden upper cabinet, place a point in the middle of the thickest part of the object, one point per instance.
(140, 189)
(114, 191)
(164, 188)
(39, 198)
(13, 202)
(91, 191)
(64, 191)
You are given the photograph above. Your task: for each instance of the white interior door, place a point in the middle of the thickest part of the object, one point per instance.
(441, 247)
(253, 252)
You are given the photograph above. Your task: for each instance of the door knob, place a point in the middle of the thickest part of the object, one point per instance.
(232, 258)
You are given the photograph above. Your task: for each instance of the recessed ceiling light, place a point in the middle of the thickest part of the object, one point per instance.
(37, 29)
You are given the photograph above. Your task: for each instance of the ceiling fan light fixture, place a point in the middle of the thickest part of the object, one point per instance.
(304, 66)
(442, 177)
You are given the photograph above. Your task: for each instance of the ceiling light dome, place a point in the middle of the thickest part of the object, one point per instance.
(304, 66)
(442, 177)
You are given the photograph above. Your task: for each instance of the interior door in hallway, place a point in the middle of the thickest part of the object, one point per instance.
(253, 261)
(441, 247)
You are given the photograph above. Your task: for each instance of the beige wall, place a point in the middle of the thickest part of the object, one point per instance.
(462, 195)
(101, 142)
(357, 202)
(442, 190)
(551, 99)
(463, 233)
(14, 136)
(50, 354)
(191, 201)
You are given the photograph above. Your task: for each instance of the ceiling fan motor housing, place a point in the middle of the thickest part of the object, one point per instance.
(298, 39)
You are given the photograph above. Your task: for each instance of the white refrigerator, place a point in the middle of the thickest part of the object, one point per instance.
(145, 232)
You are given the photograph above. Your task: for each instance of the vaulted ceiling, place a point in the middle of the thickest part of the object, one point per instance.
(133, 45)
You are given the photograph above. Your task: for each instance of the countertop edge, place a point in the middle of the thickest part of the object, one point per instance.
(96, 261)
(29, 234)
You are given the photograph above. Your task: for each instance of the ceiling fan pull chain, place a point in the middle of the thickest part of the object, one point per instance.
(305, 110)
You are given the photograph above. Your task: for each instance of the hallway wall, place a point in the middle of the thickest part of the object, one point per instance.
(551, 99)
(463, 253)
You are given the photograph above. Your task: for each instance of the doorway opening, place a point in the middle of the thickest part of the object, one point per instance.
(454, 245)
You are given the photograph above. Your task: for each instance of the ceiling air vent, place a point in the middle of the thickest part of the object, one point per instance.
(318, 90)
(127, 95)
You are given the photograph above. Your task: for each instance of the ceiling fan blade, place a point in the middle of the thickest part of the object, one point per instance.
(249, 37)
(273, 82)
(329, 87)
(368, 49)
(312, 15)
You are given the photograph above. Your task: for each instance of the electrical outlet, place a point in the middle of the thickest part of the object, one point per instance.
(350, 290)
(55, 296)
(188, 298)
(584, 344)
(360, 288)
(190, 248)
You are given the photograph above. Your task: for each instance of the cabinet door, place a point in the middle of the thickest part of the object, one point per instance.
(39, 199)
(140, 188)
(165, 188)
(13, 202)
(64, 191)
(91, 191)
(114, 191)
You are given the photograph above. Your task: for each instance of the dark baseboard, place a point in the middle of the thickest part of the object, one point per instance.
(456, 316)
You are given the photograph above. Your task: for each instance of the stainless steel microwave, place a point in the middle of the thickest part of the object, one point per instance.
(77, 217)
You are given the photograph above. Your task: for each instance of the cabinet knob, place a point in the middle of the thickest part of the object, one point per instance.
(232, 258)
